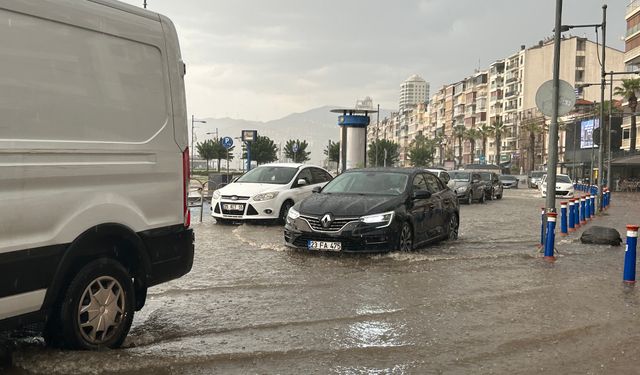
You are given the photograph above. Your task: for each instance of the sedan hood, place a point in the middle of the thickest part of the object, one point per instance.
(348, 205)
(248, 189)
(460, 183)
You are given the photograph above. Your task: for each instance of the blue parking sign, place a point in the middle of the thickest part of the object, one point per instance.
(227, 142)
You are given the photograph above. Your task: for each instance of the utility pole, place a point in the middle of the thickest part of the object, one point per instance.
(603, 82)
(144, 4)
(553, 126)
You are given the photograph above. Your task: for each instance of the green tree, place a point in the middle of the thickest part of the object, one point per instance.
(301, 154)
(458, 132)
(628, 91)
(377, 152)
(472, 135)
(422, 151)
(485, 132)
(263, 150)
(333, 152)
(207, 151)
(497, 129)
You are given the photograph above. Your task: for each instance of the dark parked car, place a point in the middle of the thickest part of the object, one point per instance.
(492, 185)
(374, 210)
(509, 181)
(468, 186)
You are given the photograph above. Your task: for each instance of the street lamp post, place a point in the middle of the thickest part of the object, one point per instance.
(193, 137)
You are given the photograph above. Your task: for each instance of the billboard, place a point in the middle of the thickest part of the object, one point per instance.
(587, 127)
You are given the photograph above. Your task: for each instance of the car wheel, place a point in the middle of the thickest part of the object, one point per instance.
(470, 198)
(96, 310)
(284, 211)
(454, 225)
(481, 200)
(405, 238)
(491, 194)
(499, 196)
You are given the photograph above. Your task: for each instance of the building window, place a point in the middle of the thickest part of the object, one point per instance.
(579, 75)
(579, 61)
(582, 45)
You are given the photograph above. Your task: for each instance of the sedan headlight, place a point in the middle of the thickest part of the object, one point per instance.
(293, 214)
(216, 195)
(384, 219)
(265, 196)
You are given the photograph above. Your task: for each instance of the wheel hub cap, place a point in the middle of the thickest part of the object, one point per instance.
(101, 310)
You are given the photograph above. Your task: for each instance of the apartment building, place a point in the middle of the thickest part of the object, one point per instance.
(631, 59)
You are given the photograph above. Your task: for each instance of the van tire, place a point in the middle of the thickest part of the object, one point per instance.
(104, 287)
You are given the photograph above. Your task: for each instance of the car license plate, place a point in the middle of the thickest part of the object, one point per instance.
(233, 207)
(324, 245)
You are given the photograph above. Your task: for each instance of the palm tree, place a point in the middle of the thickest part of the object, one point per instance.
(207, 151)
(458, 132)
(497, 129)
(628, 91)
(533, 126)
(472, 135)
(485, 132)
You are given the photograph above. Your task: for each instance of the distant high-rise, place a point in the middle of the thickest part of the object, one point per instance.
(414, 90)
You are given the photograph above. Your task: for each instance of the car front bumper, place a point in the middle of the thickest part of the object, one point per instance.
(251, 210)
(353, 237)
(561, 193)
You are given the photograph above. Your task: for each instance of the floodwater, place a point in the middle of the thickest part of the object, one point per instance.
(485, 304)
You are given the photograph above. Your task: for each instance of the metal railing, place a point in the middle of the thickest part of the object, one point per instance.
(633, 6)
(199, 193)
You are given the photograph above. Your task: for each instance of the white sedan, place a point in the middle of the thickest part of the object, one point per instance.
(267, 192)
(564, 187)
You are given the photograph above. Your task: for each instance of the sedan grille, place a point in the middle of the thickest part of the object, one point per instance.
(237, 197)
(336, 225)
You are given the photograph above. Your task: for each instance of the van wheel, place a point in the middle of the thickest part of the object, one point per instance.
(97, 309)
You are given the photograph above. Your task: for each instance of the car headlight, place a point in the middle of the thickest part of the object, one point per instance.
(265, 196)
(216, 195)
(293, 214)
(384, 219)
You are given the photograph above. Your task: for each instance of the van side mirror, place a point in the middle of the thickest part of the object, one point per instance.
(316, 189)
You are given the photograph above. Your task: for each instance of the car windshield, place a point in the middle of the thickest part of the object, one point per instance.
(563, 179)
(269, 175)
(507, 178)
(368, 182)
(536, 174)
(459, 176)
(485, 176)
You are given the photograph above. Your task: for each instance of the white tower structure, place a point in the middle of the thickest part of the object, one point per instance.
(413, 90)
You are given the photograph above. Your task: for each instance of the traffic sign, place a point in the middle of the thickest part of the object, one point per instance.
(227, 142)
(566, 97)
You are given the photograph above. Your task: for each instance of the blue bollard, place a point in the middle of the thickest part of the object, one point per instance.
(551, 236)
(576, 212)
(541, 244)
(563, 218)
(592, 203)
(629, 276)
(572, 215)
(587, 208)
(583, 208)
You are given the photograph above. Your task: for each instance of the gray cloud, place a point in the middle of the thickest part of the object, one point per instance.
(259, 59)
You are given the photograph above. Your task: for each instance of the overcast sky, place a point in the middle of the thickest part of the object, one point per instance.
(265, 59)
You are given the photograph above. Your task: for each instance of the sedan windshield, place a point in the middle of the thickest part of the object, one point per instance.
(365, 182)
(563, 179)
(459, 176)
(269, 175)
(507, 178)
(485, 176)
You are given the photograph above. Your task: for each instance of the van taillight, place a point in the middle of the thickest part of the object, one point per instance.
(186, 178)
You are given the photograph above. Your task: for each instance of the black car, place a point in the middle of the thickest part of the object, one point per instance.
(374, 210)
(492, 185)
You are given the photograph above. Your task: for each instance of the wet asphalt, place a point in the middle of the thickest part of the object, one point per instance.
(484, 304)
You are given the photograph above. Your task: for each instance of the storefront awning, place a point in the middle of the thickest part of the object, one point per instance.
(633, 160)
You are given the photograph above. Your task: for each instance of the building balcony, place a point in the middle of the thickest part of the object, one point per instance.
(510, 93)
(632, 8)
(632, 57)
(511, 79)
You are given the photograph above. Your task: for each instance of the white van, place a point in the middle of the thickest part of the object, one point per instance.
(93, 166)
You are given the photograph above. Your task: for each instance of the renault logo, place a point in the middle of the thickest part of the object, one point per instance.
(326, 220)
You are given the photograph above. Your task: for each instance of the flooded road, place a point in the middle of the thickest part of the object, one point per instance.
(484, 304)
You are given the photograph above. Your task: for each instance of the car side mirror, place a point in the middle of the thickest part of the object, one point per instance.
(475, 181)
(302, 182)
(316, 189)
(421, 194)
